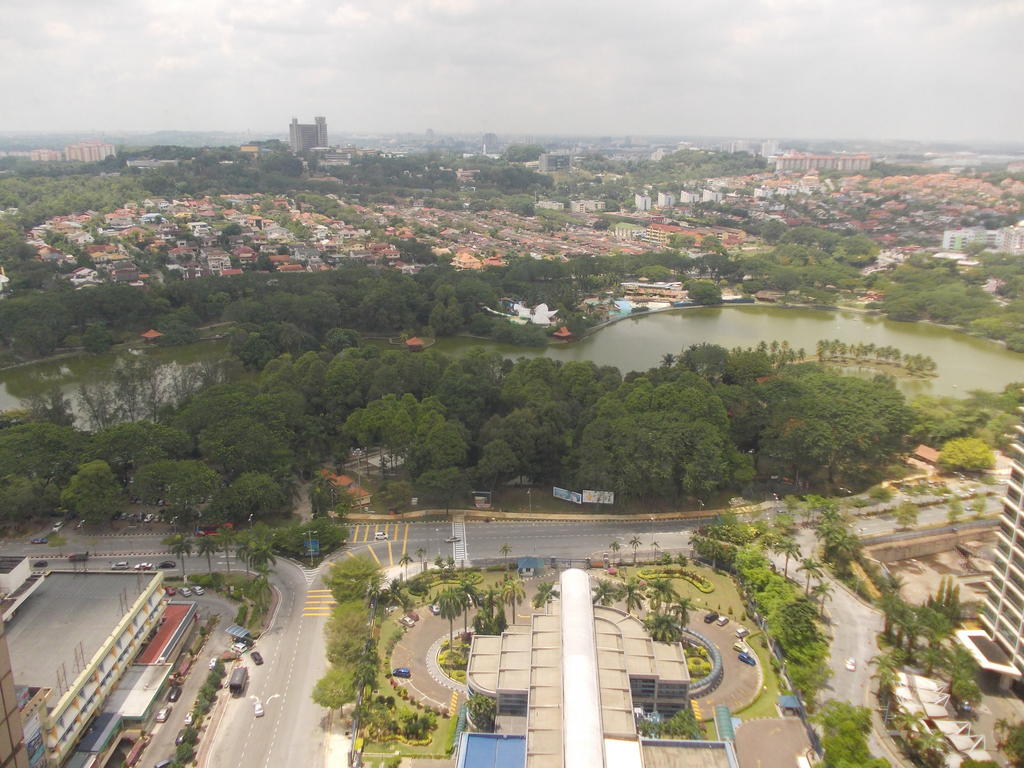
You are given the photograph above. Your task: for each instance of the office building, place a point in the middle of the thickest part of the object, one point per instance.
(959, 239)
(89, 152)
(769, 148)
(489, 145)
(569, 685)
(642, 202)
(807, 162)
(586, 206)
(303, 137)
(45, 156)
(1010, 239)
(550, 162)
(666, 200)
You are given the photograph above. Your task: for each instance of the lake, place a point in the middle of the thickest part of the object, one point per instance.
(964, 362)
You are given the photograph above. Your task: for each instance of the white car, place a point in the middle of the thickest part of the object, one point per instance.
(258, 709)
(851, 664)
(189, 718)
(381, 535)
(163, 714)
(213, 662)
(198, 590)
(185, 592)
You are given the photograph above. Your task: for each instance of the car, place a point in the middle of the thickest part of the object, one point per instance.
(405, 621)
(710, 617)
(746, 658)
(239, 647)
(57, 526)
(163, 714)
(213, 662)
(180, 737)
(170, 590)
(413, 615)
(164, 564)
(39, 540)
(199, 590)
(851, 664)
(257, 658)
(185, 592)
(381, 535)
(742, 632)
(435, 609)
(452, 539)
(80, 524)
(722, 621)
(257, 709)
(148, 518)
(401, 672)
(143, 566)
(40, 563)
(174, 693)
(189, 718)
(741, 647)
(120, 565)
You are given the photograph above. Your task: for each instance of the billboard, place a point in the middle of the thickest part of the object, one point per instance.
(482, 499)
(599, 497)
(565, 495)
(312, 547)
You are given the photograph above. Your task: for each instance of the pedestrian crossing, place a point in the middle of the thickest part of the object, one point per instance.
(459, 551)
(453, 703)
(310, 574)
(318, 602)
(385, 552)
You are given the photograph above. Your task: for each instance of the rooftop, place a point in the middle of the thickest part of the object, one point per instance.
(8, 564)
(66, 620)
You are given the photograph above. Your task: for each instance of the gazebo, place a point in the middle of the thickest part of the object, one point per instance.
(563, 333)
(150, 336)
(414, 344)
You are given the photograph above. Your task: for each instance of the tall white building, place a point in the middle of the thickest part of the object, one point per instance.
(642, 202)
(666, 200)
(89, 151)
(1010, 239)
(769, 148)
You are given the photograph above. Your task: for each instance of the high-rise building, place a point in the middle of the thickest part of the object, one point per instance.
(490, 144)
(769, 147)
(303, 137)
(1003, 613)
(89, 151)
(12, 735)
(799, 161)
(554, 161)
(642, 202)
(666, 200)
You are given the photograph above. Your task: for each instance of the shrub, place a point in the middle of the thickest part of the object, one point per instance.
(242, 615)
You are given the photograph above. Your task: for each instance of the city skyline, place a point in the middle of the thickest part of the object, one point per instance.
(773, 68)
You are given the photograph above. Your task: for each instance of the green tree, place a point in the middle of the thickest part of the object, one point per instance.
(513, 592)
(966, 454)
(632, 593)
(208, 546)
(1010, 737)
(662, 627)
(845, 729)
(93, 492)
(334, 689)
(181, 546)
(605, 592)
(635, 543)
(704, 292)
(450, 603)
(906, 514)
(482, 711)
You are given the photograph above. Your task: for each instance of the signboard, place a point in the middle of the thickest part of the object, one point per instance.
(598, 497)
(565, 495)
(312, 547)
(482, 499)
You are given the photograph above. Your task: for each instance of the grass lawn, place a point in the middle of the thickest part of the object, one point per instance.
(438, 747)
(764, 705)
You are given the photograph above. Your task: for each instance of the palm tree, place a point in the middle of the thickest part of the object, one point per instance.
(605, 592)
(512, 592)
(811, 567)
(404, 561)
(660, 592)
(633, 595)
(635, 544)
(471, 597)
(450, 603)
(243, 546)
(421, 554)
(887, 667)
(505, 551)
(227, 539)
(261, 553)
(181, 546)
(662, 628)
(681, 610)
(822, 591)
(546, 593)
(208, 545)
(789, 548)
(615, 547)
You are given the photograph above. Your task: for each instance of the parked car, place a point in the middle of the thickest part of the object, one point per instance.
(257, 709)
(405, 621)
(401, 672)
(198, 590)
(189, 718)
(57, 526)
(257, 658)
(381, 535)
(39, 540)
(174, 693)
(746, 658)
(435, 609)
(413, 615)
(167, 564)
(120, 565)
(742, 632)
(143, 566)
(170, 591)
(163, 714)
(180, 737)
(741, 647)
(185, 592)
(213, 662)
(40, 563)
(851, 664)
(722, 621)
(148, 518)
(239, 647)
(710, 617)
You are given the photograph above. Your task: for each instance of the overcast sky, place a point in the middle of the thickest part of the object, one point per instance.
(915, 69)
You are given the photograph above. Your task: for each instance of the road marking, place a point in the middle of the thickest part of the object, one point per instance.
(405, 540)
(370, 550)
(453, 703)
(391, 554)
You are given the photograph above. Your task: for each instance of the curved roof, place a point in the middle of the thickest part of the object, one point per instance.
(583, 734)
